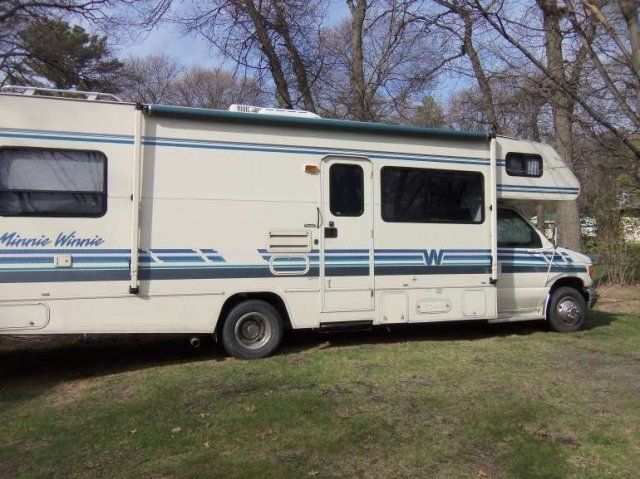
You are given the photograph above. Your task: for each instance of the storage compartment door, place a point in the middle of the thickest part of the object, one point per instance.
(23, 316)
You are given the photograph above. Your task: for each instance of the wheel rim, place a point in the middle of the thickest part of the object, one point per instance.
(253, 330)
(569, 311)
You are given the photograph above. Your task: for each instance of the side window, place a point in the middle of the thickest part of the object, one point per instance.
(417, 195)
(52, 182)
(346, 190)
(521, 164)
(514, 232)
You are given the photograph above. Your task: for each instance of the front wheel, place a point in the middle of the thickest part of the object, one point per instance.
(252, 330)
(567, 311)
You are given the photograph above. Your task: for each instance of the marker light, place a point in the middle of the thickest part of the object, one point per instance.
(311, 169)
(592, 271)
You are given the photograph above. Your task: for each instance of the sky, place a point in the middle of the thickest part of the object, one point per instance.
(190, 50)
(193, 50)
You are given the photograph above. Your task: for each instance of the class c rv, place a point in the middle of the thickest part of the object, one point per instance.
(124, 218)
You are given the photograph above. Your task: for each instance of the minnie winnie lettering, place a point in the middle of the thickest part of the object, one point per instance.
(62, 240)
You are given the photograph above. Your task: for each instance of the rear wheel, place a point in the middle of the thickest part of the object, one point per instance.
(252, 330)
(567, 311)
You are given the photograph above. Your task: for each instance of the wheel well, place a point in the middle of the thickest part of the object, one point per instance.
(272, 298)
(571, 282)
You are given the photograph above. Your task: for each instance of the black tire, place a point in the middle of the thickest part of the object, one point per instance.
(252, 330)
(567, 310)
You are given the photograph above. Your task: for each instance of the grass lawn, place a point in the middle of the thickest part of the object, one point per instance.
(437, 401)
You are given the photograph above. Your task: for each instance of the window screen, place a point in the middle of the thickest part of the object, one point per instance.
(521, 164)
(48, 182)
(413, 195)
(346, 190)
(515, 232)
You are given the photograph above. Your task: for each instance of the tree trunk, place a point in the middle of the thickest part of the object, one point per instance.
(358, 10)
(540, 214)
(568, 216)
(631, 15)
(302, 80)
(282, 89)
(483, 82)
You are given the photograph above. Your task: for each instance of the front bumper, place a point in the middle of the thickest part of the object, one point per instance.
(592, 296)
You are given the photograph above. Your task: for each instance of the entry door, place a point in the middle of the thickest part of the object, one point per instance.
(346, 253)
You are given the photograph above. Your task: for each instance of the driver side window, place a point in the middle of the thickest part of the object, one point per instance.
(514, 232)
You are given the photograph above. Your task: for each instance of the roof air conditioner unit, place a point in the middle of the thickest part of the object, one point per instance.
(272, 111)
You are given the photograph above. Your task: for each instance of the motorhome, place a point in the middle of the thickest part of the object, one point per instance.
(129, 218)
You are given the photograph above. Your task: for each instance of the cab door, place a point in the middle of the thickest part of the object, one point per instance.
(346, 253)
(523, 265)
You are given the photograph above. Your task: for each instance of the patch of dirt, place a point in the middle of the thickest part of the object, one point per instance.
(569, 442)
(7, 469)
(30, 445)
(619, 299)
(69, 392)
(487, 467)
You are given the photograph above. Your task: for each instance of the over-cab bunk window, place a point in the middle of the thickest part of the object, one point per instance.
(52, 182)
(419, 195)
(524, 164)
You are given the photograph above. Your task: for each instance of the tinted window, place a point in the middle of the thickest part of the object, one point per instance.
(346, 190)
(48, 182)
(515, 232)
(521, 164)
(413, 195)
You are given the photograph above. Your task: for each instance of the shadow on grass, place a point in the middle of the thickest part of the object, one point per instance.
(29, 367)
(449, 331)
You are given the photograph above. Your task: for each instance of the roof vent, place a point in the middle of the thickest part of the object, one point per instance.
(272, 111)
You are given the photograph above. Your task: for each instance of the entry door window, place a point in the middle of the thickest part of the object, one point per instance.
(346, 190)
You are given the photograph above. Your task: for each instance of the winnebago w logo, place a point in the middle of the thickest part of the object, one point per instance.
(432, 257)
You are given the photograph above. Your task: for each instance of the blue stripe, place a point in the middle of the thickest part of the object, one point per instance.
(248, 271)
(198, 144)
(43, 259)
(429, 270)
(541, 192)
(416, 257)
(346, 258)
(306, 150)
(101, 259)
(72, 133)
(346, 251)
(535, 187)
(65, 251)
(172, 250)
(66, 138)
(63, 276)
(289, 149)
(180, 259)
(507, 268)
(469, 257)
(290, 268)
(538, 190)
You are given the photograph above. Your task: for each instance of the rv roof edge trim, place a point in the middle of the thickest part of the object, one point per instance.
(314, 123)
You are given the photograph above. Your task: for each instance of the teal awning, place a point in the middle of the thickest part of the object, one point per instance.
(225, 116)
